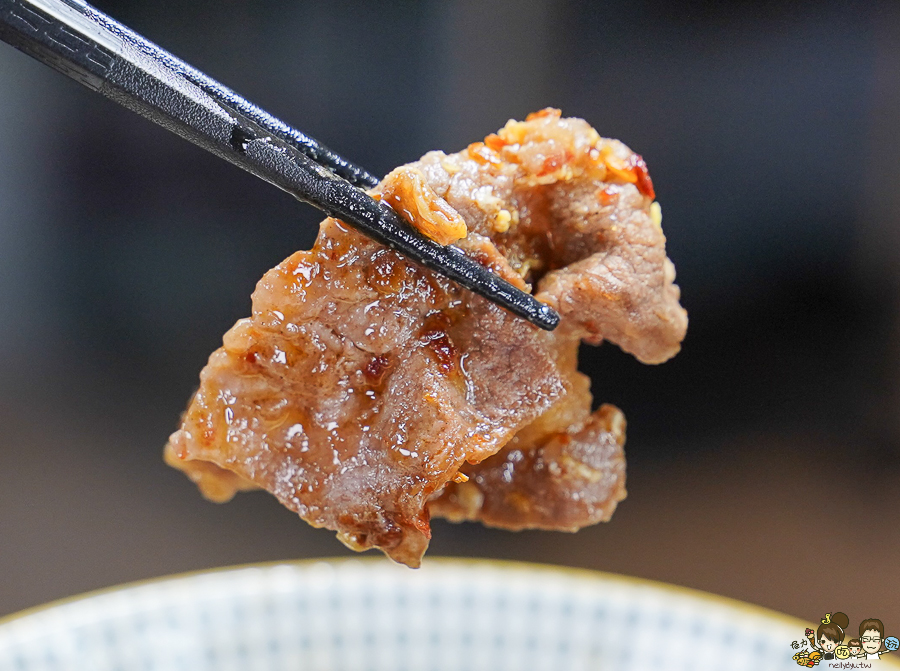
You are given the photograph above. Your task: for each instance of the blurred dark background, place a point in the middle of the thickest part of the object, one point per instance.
(763, 460)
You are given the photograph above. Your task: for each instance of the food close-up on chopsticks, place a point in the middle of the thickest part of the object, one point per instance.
(409, 350)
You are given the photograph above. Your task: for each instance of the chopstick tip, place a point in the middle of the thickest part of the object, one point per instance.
(545, 317)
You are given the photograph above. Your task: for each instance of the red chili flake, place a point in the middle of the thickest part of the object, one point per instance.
(644, 184)
(478, 151)
(495, 142)
(547, 111)
(607, 197)
(551, 164)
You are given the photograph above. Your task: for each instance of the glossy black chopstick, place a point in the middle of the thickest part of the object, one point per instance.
(90, 47)
(307, 145)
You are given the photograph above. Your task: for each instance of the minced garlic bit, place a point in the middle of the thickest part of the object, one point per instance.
(486, 200)
(470, 499)
(406, 190)
(501, 222)
(656, 213)
(449, 164)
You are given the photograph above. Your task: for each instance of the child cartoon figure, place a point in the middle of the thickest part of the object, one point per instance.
(830, 634)
(871, 635)
(855, 648)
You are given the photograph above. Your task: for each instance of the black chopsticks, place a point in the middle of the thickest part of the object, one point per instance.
(100, 53)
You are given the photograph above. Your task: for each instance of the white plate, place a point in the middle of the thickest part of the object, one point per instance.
(371, 615)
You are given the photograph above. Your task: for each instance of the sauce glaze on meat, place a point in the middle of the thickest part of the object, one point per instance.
(367, 393)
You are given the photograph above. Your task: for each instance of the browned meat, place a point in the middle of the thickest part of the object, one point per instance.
(366, 392)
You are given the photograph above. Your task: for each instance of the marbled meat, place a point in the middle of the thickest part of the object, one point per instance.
(367, 393)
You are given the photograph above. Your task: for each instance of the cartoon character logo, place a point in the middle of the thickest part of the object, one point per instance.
(829, 635)
(827, 641)
(808, 659)
(874, 643)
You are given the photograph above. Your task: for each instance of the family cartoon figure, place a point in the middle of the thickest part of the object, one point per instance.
(827, 642)
(829, 635)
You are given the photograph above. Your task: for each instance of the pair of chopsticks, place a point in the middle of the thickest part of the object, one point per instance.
(102, 54)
